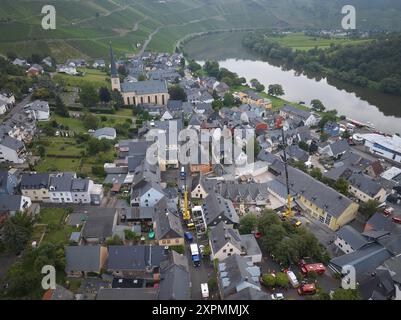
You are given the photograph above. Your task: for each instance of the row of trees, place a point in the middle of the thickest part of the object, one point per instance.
(374, 64)
(89, 96)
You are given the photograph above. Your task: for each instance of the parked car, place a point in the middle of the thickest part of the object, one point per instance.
(277, 296)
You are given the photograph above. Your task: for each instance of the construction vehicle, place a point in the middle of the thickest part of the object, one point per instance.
(186, 214)
(307, 288)
(319, 268)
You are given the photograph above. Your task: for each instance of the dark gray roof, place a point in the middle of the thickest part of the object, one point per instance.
(352, 237)
(394, 266)
(222, 234)
(34, 180)
(295, 152)
(377, 286)
(339, 147)
(249, 294)
(111, 132)
(127, 294)
(140, 257)
(251, 246)
(317, 192)
(236, 273)
(99, 225)
(216, 208)
(302, 114)
(10, 202)
(11, 143)
(62, 182)
(365, 184)
(364, 260)
(82, 258)
(80, 185)
(145, 87)
(138, 147)
(174, 283)
(168, 225)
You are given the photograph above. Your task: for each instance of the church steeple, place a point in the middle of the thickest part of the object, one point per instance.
(113, 69)
(115, 79)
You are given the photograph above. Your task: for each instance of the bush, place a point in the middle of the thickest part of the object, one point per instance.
(179, 249)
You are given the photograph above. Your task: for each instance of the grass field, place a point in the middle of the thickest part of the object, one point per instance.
(85, 28)
(298, 41)
(92, 77)
(56, 229)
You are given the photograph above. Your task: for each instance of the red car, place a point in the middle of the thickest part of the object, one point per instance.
(258, 234)
(397, 220)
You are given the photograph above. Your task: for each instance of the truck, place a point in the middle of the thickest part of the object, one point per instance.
(182, 173)
(293, 279)
(195, 254)
(307, 288)
(319, 268)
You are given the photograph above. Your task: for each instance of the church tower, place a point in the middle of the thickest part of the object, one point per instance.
(115, 79)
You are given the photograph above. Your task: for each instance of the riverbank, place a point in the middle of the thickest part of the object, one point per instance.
(361, 104)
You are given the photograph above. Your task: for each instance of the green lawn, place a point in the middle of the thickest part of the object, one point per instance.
(56, 231)
(92, 77)
(299, 41)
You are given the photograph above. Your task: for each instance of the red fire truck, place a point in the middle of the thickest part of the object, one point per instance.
(319, 268)
(307, 288)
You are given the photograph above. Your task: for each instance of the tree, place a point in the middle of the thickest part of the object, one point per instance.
(317, 105)
(17, 231)
(269, 280)
(122, 71)
(217, 104)
(176, 92)
(41, 151)
(228, 99)
(260, 87)
(248, 223)
(114, 241)
(341, 185)
(60, 107)
(303, 145)
(141, 77)
(369, 208)
(212, 68)
(11, 55)
(193, 66)
(345, 294)
(282, 279)
(316, 173)
(131, 236)
(88, 96)
(117, 99)
(328, 116)
(104, 95)
(90, 121)
(276, 90)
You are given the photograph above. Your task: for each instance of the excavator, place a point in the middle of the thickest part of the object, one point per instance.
(288, 214)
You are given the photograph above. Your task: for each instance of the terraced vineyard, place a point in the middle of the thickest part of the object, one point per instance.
(85, 27)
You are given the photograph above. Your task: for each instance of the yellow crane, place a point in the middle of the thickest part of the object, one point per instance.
(289, 213)
(186, 214)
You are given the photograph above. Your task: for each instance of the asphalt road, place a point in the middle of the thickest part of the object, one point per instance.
(18, 107)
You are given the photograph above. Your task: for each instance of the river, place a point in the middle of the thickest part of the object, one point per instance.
(360, 104)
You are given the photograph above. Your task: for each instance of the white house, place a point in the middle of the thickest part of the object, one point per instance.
(38, 109)
(60, 187)
(146, 194)
(3, 106)
(349, 240)
(11, 150)
(80, 190)
(224, 242)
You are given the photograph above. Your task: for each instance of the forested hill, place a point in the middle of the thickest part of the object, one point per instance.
(85, 27)
(375, 64)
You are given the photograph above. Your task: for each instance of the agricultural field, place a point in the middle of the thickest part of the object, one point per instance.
(86, 28)
(299, 41)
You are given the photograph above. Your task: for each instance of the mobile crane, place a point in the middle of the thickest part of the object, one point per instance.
(279, 125)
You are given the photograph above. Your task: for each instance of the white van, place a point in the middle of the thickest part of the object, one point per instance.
(293, 279)
(205, 290)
